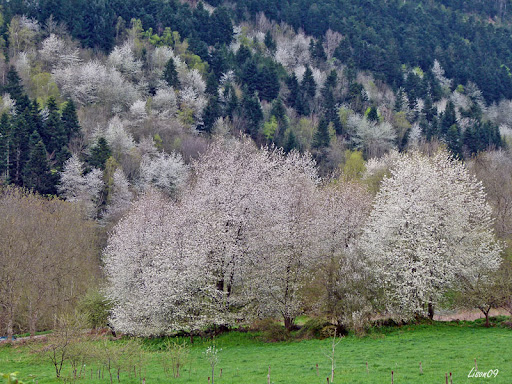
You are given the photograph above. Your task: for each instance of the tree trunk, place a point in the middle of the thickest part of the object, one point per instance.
(431, 311)
(288, 323)
(10, 331)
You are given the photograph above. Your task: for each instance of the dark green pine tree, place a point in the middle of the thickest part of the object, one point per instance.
(252, 112)
(454, 140)
(18, 147)
(293, 90)
(269, 42)
(231, 106)
(36, 121)
(69, 121)
(54, 135)
(13, 85)
(250, 75)
(211, 114)
(100, 152)
(36, 172)
(268, 84)
(5, 130)
(212, 84)
(448, 118)
(322, 138)
(373, 114)
(308, 85)
(291, 142)
(171, 74)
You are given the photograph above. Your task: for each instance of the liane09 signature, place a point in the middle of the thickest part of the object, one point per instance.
(487, 374)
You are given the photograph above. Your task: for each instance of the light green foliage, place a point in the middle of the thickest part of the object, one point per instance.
(96, 308)
(354, 166)
(175, 357)
(10, 378)
(269, 128)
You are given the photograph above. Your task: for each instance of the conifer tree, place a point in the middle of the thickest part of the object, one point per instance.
(18, 147)
(70, 120)
(5, 130)
(36, 172)
(322, 137)
(100, 152)
(171, 75)
(54, 135)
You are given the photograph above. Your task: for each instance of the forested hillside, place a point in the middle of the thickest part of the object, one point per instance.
(121, 106)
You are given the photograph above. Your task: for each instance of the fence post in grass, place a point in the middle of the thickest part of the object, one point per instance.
(220, 372)
(208, 379)
(144, 380)
(476, 366)
(317, 369)
(327, 380)
(392, 377)
(268, 375)
(446, 378)
(421, 369)
(451, 378)
(367, 370)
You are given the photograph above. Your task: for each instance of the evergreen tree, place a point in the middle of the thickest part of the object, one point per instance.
(322, 137)
(70, 121)
(5, 130)
(448, 118)
(232, 101)
(212, 84)
(36, 171)
(268, 84)
(13, 86)
(269, 42)
(308, 84)
(211, 114)
(171, 74)
(252, 112)
(373, 114)
(291, 142)
(100, 153)
(18, 147)
(293, 87)
(54, 135)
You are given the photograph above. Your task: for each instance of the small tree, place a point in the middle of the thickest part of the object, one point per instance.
(211, 355)
(175, 357)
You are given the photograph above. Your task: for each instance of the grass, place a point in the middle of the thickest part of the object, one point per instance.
(441, 347)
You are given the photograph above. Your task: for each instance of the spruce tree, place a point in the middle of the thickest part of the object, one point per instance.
(54, 135)
(5, 130)
(252, 112)
(13, 85)
(69, 120)
(293, 87)
(269, 42)
(100, 152)
(18, 147)
(171, 75)
(322, 138)
(36, 172)
(211, 114)
(308, 84)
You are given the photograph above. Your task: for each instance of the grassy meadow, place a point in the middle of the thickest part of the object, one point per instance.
(245, 358)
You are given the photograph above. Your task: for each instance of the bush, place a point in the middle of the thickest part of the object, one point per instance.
(96, 308)
(315, 329)
(272, 331)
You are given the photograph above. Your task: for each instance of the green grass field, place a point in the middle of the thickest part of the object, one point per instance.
(442, 347)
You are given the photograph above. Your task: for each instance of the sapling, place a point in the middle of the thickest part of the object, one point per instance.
(211, 355)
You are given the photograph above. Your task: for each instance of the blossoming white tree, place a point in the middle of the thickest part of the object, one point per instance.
(430, 227)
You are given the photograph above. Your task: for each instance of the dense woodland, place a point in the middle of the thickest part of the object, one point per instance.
(144, 110)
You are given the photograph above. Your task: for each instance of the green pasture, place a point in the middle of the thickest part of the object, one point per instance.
(245, 358)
